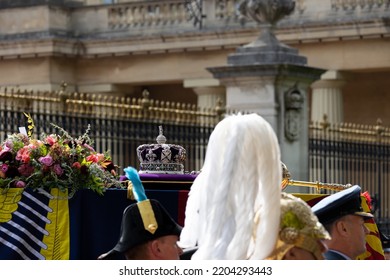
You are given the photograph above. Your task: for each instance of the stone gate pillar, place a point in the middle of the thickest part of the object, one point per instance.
(272, 79)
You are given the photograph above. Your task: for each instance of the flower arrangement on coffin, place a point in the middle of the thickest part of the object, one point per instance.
(55, 161)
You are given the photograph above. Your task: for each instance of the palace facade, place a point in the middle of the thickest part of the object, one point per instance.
(166, 46)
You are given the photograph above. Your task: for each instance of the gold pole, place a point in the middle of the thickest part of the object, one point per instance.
(318, 185)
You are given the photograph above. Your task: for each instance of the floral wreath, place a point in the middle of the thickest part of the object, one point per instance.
(55, 161)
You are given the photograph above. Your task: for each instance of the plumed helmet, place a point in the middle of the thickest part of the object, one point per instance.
(232, 210)
(298, 227)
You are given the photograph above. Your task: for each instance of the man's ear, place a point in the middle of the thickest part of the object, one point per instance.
(341, 227)
(290, 254)
(155, 248)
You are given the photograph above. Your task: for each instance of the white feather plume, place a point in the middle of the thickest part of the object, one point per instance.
(240, 180)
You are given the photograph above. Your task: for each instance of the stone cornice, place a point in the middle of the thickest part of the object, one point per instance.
(48, 44)
(89, 32)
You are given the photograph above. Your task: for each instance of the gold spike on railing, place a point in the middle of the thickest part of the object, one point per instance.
(86, 103)
(351, 132)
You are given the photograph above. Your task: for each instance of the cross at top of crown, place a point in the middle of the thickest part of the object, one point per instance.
(161, 139)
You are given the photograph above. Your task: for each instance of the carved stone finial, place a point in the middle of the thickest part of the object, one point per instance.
(266, 13)
(379, 127)
(325, 123)
(145, 101)
(63, 86)
(219, 108)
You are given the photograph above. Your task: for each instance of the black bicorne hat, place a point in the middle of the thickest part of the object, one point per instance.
(134, 231)
(142, 221)
(335, 206)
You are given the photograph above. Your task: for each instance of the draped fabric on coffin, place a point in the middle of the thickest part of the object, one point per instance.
(33, 225)
(373, 245)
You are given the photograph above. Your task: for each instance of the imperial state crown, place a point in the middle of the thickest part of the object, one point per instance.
(161, 157)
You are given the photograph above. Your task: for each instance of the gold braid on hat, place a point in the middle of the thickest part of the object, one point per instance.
(298, 227)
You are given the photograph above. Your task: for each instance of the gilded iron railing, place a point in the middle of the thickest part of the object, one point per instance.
(109, 106)
(354, 154)
(118, 124)
(376, 133)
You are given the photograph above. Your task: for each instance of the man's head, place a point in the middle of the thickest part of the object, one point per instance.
(147, 232)
(301, 235)
(343, 216)
(161, 248)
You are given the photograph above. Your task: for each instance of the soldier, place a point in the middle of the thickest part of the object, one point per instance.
(141, 239)
(343, 217)
(147, 232)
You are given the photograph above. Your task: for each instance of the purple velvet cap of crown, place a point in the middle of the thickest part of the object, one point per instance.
(168, 177)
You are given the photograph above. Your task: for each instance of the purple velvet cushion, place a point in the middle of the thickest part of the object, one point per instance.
(164, 177)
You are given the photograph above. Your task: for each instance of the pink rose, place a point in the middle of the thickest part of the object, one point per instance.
(20, 184)
(4, 167)
(47, 160)
(51, 139)
(76, 165)
(58, 170)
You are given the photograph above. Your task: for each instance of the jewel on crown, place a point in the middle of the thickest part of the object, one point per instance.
(161, 157)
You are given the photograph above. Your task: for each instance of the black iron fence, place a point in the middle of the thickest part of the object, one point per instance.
(339, 153)
(354, 154)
